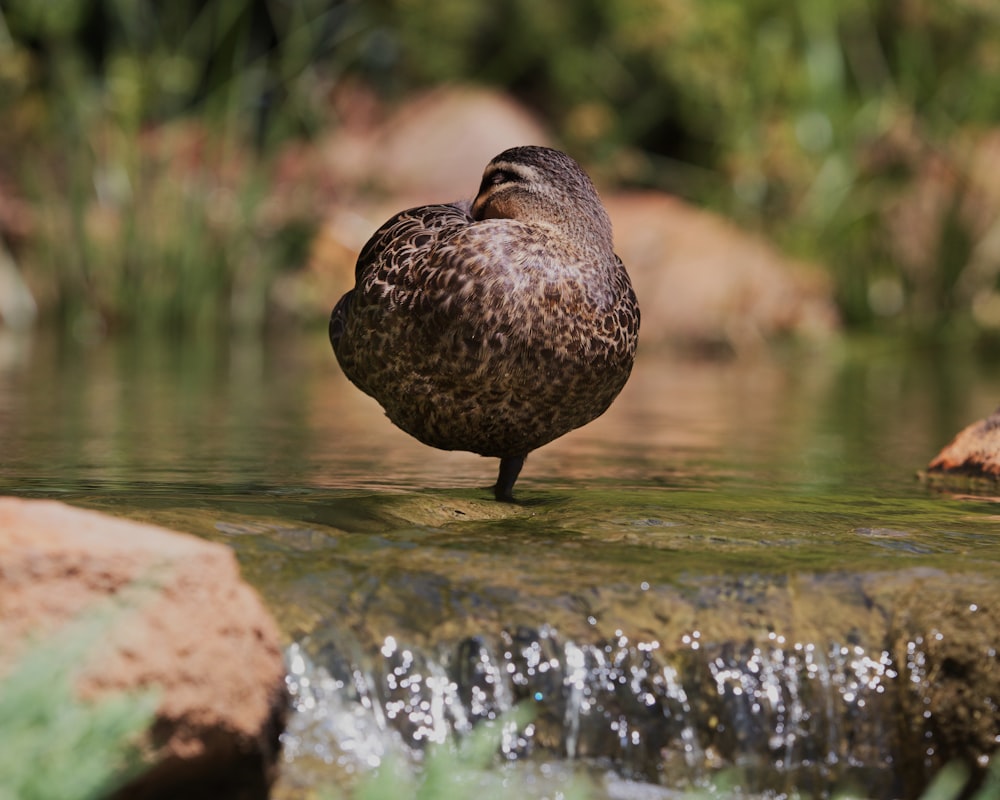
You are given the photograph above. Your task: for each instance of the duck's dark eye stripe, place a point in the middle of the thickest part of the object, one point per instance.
(502, 176)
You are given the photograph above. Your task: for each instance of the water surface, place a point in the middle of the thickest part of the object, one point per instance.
(735, 571)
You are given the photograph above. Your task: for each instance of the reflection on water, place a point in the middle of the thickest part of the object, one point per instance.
(282, 415)
(734, 569)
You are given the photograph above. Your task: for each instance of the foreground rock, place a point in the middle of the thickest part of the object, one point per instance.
(974, 452)
(193, 631)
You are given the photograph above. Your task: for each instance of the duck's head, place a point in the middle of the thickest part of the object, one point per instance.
(545, 186)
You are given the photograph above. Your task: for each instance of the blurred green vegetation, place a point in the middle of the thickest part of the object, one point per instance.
(863, 134)
(464, 770)
(846, 129)
(53, 745)
(144, 138)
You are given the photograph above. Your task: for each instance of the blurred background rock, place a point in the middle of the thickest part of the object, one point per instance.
(193, 168)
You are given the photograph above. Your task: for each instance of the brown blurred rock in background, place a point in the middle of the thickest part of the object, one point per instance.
(701, 281)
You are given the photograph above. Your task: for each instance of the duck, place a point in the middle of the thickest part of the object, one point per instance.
(498, 325)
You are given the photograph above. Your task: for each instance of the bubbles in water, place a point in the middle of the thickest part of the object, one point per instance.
(330, 722)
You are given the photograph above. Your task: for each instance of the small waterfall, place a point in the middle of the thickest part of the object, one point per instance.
(774, 715)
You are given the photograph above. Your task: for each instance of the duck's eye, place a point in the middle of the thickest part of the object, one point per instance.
(502, 176)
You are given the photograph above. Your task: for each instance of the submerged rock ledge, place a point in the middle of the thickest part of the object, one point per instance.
(821, 683)
(183, 623)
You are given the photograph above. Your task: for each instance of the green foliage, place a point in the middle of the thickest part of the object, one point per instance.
(854, 132)
(460, 771)
(950, 783)
(143, 137)
(846, 130)
(51, 743)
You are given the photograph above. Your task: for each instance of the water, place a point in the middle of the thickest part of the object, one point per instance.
(733, 577)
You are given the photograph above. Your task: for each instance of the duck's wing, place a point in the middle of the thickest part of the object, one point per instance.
(390, 276)
(509, 279)
(404, 241)
(626, 304)
(389, 259)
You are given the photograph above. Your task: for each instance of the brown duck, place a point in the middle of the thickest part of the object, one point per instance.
(495, 327)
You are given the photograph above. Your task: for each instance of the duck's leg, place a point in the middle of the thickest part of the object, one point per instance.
(510, 468)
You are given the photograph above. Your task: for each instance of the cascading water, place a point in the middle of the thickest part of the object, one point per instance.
(775, 716)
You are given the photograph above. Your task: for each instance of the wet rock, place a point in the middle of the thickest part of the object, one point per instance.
(974, 452)
(671, 652)
(192, 630)
(946, 650)
(702, 281)
(806, 682)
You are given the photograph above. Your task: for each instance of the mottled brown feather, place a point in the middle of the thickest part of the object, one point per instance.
(493, 335)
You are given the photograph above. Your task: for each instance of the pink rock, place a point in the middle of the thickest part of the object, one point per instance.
(974, 451)
(192, 629)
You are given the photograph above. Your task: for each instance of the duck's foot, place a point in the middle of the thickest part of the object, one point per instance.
(510, 468)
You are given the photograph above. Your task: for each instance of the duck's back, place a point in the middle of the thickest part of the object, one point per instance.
(491, 336)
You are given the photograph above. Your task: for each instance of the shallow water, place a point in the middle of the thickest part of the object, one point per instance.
(735, 572)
